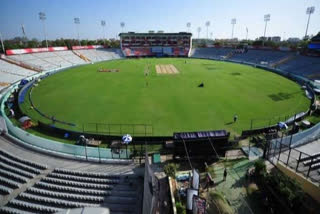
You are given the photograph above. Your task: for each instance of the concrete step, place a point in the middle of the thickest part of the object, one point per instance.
(120, 200)
(123, 193)
(120, 207)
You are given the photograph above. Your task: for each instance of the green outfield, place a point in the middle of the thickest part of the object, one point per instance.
(169, 101)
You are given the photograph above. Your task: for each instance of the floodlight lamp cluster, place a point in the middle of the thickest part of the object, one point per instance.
(103, 23)
(77, 20)
(310, 10)
(233, 21)
(267, 17)
(42, 16)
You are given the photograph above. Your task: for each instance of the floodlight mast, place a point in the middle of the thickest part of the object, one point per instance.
(310, 10)
(199, 30)
(247, 32)
(207, 25)
(103, 24)
(122, 24)
(266, 19)
(77, 22)
(188, 26)
(233, 22)
(2, 44)
(42, 17)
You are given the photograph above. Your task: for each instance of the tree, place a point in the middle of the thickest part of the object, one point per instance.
(260, 168)
(171, 169)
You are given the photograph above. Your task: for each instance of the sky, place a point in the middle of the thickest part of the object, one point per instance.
(288, 17)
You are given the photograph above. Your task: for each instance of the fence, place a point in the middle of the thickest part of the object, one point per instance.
(285, 151)
(61, 149)
(118, 129)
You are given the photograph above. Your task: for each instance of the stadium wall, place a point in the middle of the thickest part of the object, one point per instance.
(150, 189)
(312, 189)
(35, 50)
(53, 147)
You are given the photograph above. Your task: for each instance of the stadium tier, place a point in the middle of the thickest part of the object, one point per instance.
(155, 44)
(260, 56)
(211, 53)
(307, 66)
(11, 73)
(48, 60)
(96, 55)
(41, 189)
(286, 61)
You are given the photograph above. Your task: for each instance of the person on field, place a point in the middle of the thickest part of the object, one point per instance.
(225, 174)
(235, 118)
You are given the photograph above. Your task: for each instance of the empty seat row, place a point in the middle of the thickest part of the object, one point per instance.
(85, 174)
(67, 196)
(11, 210)
(84, 179)
(13, 176)
(33, 206)
(5, 190)
(14, 69)
(59, 188)
(75, 184)
(15, 170)
(24, 161)
(49, 60)
(9, 182)
(307, 162)
(54, 201)
(315, 166)
(19, 165)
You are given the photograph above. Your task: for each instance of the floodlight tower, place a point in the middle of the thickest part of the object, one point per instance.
(2, 44)
(247, 31)
(211, 35)
(207, 25)
(266, 19)
(122, 24)
(103, 24)
(233, 22)
(188, 26)
(42, 17)
(77, 22)
(199, 30)
(310, 10)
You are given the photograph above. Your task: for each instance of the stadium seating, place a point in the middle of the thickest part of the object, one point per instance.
(260, 56)
(304, 66)
(296, 64)
(11, 73)
(96, 55)
(15, 171)
(63, 188)
(14, 69)
(49, 60)
(211, 53)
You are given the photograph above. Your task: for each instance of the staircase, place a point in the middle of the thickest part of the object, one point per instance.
(282, 61)
(24, 187)
(81, 56)
(21, 64)
(229, 55)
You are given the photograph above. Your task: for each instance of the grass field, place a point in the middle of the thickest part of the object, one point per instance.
(170, 102)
